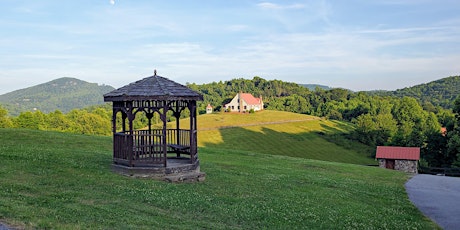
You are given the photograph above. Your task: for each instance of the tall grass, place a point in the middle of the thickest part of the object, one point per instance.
(53, 180)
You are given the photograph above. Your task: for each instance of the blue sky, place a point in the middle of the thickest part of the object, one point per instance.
(354, 44)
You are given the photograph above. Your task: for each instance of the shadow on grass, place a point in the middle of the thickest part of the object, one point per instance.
(339, 127)
(341, 138)
(327, 146)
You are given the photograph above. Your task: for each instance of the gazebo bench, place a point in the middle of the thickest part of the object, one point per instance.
(180, 149)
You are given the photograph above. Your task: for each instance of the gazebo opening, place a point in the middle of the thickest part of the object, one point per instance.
(155, 151)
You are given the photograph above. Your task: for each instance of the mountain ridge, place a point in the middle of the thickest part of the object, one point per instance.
(441, 92)
(62, 94)
(313, 87)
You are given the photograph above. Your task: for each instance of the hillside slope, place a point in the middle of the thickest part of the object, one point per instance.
(62, 94)
(282, 133)
(46, 186)
(441, 92)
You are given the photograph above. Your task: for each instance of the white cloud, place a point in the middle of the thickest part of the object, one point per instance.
(269, 5)
(291, 57)
(334, 58)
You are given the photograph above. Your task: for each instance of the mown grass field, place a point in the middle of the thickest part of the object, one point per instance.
(52, 180)
(282, 133)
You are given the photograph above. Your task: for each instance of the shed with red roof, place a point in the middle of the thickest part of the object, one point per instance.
(398, 158)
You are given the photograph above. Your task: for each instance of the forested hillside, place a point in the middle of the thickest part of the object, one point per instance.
(380, 119)
(62, 94)
(436, 93)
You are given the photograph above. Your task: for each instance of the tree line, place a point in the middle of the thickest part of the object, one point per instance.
(96, 121)
(93, 120)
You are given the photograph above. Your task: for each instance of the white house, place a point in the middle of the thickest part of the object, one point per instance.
(243, 102)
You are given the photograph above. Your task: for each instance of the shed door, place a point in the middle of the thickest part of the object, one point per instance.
(390, 164)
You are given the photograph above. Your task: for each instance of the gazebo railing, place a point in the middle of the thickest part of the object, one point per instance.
(146, 148)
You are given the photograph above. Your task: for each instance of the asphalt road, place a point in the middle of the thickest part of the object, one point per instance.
(437, 197)
(3, 227)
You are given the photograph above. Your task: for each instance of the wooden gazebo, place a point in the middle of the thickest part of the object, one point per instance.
(168, 153)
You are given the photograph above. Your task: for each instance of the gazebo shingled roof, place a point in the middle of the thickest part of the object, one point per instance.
(153, 88)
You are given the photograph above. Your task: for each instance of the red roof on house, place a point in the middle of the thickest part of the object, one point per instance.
(249, 99)
(398, 153)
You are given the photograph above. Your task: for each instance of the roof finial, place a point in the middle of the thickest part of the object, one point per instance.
(154, 72)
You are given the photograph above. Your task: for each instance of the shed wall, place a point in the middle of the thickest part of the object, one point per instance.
(406, 166)
(409, 166)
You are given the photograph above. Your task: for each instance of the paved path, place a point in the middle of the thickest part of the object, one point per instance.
(4, 227)
(438, 197)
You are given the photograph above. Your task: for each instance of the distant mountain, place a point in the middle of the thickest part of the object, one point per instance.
(312, 87)
(441, 92)
(62, 94)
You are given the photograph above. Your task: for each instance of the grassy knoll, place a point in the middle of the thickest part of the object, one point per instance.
(282, 133)
(222, 120)
(63, 181)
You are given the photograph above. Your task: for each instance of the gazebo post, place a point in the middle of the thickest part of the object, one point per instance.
(131, 150)
(123, 121)
(177, 115)
(114, 120)
(149, 116)
(193, 128)
(164, 143)
(114, 131)
(178, 135)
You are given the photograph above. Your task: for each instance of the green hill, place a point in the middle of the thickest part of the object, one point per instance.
(54, 180)
(441, 92)
(62, 94)
(282, 133)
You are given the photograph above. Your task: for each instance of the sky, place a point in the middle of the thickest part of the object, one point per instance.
(353, 44)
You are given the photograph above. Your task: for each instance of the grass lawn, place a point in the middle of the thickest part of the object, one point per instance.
(282, 133)
(52, 180)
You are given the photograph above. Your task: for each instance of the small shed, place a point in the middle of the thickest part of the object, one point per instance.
(168, 153)
(398, 158)
(209, 109)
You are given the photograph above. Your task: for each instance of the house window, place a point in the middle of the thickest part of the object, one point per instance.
(245, 108)
(238, 107)
(233, 107)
